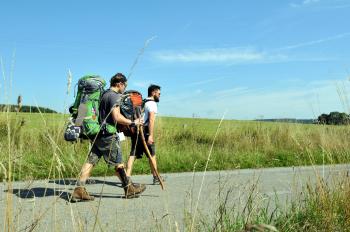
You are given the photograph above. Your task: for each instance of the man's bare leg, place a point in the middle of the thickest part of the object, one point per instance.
(80, 192)
(154, 166)
(129, 165)
(85, 172)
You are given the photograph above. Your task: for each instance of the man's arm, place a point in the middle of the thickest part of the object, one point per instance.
(152, 118)
(119, 118)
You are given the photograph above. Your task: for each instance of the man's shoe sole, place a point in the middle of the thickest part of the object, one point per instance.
(133, 196)
(75, 200)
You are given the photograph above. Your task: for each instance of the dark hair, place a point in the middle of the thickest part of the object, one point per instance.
(118, 78)
(151, 88)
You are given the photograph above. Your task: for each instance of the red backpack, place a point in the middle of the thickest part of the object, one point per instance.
(130, 107)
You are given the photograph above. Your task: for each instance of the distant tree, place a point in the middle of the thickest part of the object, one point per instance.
(344, 119)
(334, 118)
(322, 119)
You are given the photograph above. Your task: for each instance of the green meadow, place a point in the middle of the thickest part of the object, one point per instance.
(34, 145)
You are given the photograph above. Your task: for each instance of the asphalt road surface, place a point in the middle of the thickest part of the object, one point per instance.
(44, 205)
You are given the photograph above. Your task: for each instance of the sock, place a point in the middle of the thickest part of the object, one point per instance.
(123, 177)
(81, 183)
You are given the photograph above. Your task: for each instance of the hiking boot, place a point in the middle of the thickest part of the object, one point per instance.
(133, 190)
(156, 180)
(80, 194)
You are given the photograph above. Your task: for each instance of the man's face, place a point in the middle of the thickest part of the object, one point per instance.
(156, 95)
(122, 86)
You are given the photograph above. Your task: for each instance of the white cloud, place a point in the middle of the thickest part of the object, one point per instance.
(331, 4)
(142, 84)
(304, 3)
(232, 91)
(205, 81)
(239, 55)
(313, 42)
(306, 100)
(218, 55)
(234, 56)
(339, 6)
(187, 26)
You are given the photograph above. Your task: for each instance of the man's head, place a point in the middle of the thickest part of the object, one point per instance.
(119, 81)
(154, 91)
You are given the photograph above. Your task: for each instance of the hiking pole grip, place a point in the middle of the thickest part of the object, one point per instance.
(150, 157)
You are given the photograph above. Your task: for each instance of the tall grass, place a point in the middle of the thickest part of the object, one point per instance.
(324, 206)
(32, 147)
(180, 144)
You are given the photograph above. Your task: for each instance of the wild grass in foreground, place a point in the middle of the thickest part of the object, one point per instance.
(36, 143)
(320, 207)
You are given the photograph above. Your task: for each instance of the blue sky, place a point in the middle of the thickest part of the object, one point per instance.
(250, 59)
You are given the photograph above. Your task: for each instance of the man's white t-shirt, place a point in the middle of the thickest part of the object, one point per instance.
(150, 106)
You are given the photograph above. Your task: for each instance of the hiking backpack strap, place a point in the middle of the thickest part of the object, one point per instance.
(144, 101)
(82, 110)
(106, 128)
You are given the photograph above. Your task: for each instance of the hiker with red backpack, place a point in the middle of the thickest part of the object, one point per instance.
(138, 147)
(107, 142)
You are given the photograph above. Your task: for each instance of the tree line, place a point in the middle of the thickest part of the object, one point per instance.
(25, 108)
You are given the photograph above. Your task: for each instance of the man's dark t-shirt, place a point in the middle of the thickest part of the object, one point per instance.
(109, 99)
(107, 145)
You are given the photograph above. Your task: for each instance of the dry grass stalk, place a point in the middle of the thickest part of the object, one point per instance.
(205, 170)
(142, 50)
(19, 103)
(69, 81)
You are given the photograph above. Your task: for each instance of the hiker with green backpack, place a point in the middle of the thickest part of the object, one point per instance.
(96, 117)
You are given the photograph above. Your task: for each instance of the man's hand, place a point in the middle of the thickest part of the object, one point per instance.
(150, 140)
(138, 122)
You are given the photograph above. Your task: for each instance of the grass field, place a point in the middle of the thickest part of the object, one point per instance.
(35, 146)
(32, 147)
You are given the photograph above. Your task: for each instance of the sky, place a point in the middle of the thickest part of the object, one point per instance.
(240, 59)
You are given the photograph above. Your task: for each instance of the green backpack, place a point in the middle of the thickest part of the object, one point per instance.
(84, 122)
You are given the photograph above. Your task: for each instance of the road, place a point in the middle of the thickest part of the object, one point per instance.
(43, 205)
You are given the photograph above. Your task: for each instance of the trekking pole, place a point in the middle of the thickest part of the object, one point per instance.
(150, 157)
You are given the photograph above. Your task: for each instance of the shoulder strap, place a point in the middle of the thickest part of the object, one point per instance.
(82, 110)
(103, 93)
(144, 101)
(103, 123)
